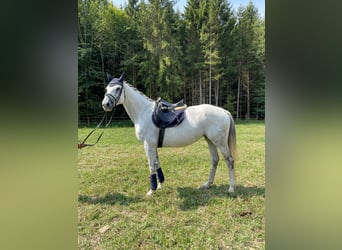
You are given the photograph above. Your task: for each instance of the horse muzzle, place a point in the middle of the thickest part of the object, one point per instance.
(108, 103)
(107, 107)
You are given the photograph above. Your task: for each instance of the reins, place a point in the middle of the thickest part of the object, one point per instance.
(114, 100)
(83, 144)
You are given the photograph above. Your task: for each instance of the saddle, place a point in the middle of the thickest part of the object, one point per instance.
(167, 115)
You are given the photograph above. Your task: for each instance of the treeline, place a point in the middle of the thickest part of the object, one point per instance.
(209, 54)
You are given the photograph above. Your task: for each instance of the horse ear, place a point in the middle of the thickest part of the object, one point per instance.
(109, 77)
(122, 77)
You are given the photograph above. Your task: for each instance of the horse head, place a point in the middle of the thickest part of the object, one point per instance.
(113, 93)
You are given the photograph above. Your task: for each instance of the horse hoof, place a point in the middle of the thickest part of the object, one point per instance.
(150, 193)
(159, 185)
(231, 190)
(205, 186)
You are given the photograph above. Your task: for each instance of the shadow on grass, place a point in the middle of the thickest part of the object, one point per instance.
(193, 198)
(109, 199)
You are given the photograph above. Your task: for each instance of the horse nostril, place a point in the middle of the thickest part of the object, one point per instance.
(107, 104)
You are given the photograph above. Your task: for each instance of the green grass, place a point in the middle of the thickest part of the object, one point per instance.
(114, 178)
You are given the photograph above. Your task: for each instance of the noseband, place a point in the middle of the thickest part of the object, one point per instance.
(112, 99)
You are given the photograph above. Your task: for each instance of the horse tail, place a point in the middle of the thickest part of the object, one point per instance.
(232, 138)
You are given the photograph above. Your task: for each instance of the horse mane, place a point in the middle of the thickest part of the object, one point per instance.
(141, 93)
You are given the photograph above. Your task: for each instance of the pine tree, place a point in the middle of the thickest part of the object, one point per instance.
(249, 59)
(194, 59)
(157, 28)
(134, 47)
(213, 36)
(207, 55)
(209, 41)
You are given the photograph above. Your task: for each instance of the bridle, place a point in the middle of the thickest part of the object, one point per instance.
(114, 101)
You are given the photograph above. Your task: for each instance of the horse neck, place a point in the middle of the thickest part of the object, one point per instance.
(136, 104)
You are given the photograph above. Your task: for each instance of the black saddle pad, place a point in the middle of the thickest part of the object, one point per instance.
(167, 118)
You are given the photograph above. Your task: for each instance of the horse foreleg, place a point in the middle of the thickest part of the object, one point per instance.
(214, 162)
(160, 173)
(155, 170)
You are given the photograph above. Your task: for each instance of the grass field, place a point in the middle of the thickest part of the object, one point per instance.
(114, 213)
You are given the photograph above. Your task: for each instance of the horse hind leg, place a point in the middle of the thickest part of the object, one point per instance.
(230, 164)
(214, 162)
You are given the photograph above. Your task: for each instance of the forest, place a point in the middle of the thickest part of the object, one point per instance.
(208, 54)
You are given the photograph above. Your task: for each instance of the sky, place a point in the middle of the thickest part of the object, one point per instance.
(180, 5)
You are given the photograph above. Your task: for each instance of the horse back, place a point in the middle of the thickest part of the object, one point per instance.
(199, 120)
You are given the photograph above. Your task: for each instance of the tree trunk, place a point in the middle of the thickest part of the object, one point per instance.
(134, 75)
(87, 109)
(102, 64)
(238, 99)
(210, 76)
(191, 90)
(217, 92)
(184, 87)
(200, 88)
(248, 96)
